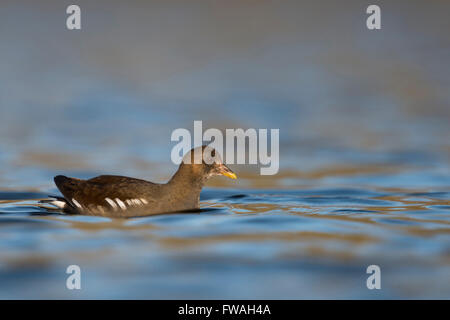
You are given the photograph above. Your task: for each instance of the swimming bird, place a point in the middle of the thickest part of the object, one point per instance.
(119, 196)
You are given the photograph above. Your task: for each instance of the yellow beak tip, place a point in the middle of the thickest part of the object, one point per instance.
(230, 175)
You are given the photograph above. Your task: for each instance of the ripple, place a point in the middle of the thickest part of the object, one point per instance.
(303, 233)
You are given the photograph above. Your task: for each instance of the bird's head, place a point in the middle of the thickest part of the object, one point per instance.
(206, 162)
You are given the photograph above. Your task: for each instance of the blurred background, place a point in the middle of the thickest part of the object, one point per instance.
(364, 145)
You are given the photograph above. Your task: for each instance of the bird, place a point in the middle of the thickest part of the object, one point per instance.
(121, 197)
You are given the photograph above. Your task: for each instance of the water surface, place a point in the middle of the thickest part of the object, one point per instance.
(308, 243)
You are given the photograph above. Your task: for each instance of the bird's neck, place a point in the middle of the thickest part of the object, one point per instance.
(186, 185)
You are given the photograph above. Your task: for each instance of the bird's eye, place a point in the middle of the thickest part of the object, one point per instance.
(213, 153)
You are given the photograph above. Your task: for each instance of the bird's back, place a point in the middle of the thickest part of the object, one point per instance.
(110, 195)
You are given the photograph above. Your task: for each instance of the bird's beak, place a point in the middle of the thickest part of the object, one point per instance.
(225, 171)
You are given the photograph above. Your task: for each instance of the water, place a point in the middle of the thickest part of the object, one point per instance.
(311, 243)
(364, 148)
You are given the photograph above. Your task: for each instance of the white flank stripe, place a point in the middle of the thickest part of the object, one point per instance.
(75, 202)
(144, 201)
(121, 204)
(112, 203)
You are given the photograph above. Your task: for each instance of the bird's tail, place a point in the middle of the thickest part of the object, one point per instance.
(58, 202)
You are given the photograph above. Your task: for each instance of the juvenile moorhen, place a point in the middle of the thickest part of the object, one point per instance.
(118, 196)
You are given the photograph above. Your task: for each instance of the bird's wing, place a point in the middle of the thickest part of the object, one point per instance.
(105, 193)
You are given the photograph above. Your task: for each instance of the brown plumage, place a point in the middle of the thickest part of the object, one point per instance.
(118, 196)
